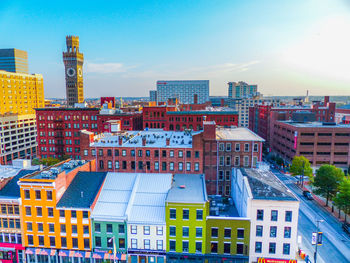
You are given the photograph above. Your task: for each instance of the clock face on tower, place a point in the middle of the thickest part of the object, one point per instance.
(71, 72)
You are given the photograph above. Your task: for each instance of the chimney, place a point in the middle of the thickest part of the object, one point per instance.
(209, 130)
(195, 99)
(120, 139)
(167, 141)
(143, 141)
(326, 100)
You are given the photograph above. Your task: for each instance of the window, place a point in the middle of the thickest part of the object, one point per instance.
(41, 240)
(228, 147)
(73, 214)
(227, 248)
(172, 245)
(185, 231)
(181, 166)
(287, 232)
(133, 243)
(85, 214)
(37, 195)
(63, 242)
(121, 242)
(259, 231)
(100, 152)
(28, 211)
(123, 152)
(49, 195)
(75, 242)
(124, 165)
(51, 228)
(221, 147)
(148, 153)
(214, 247)
(185, 214)
(146, 230)
(86, 243)
(237, 161)
(246, 161)
(86, 152)
(255, 147)
(16, 210)
(185, 246)
(286, 249)
(156, 165)
(74, 229)
(199, 246)
(163, 166)
(62, 228)
(26, 194)
(188, 166)
(237, 147)
(240, 233)
(53, 242)
(273, 231)
(86, 229)
(196, 167)
(133, 229)
(274, 215)
(172, 231)
(147, 244)
(159, 230)
(62, 213)
(116, 164)
(171, 166)
(156, 153)
(30, 240)
(199, 232)
(246, 147)
(196, 154)
(18, 224)
(109, 164)
(109, 228)
(116, 152)
(159, 244)
(132, 152)
(258, 247)
(260, 215)
(288, 217)
(240, 248)
(121, 229)
(172, 213)
(228, 160)
(109, 152)
(29, 226)
(181, 154)
(50, 212)
(98, 241)
(227, 233)
(97, 227)
(214, 232)
(39, 211)
(199, 214)
(272, 248)
(163, 153)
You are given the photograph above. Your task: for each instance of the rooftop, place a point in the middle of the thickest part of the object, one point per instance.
(315, 124)
(188, 188)
(82, 191)
(136, 197)
(265, 185)
(237, 134)
(153, 138)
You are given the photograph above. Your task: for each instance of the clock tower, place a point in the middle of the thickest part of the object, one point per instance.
(73, 63)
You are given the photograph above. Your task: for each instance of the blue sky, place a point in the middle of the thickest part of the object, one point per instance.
(286, 46)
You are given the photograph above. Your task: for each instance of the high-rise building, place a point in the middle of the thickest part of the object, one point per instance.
(73, 62)
(241, 89)
(21, 93)
(185, 91)
(152, 95)
(14, 60)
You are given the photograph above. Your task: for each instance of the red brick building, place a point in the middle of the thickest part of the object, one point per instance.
(213, 151)
(170, 118)
(342, 115)
(321, 143)
(58, 129)
(262, 117)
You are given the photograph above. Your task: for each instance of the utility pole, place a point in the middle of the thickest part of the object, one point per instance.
(317, 238)
(302, 178)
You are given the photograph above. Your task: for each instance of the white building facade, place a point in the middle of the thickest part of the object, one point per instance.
(273, 210)
(186, 91)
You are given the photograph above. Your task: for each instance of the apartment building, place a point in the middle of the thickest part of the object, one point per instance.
(241, 89)
(273, 210)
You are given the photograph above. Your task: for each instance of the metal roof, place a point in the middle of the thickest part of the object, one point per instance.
(237, 134)
(188, 188)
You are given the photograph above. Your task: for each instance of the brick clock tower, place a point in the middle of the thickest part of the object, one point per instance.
(73, 63)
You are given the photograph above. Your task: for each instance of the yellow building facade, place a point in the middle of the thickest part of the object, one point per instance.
(20, 93)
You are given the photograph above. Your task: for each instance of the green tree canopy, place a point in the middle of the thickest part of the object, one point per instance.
(342, 199)
(327, 181)
(49, 161)
(299, 164)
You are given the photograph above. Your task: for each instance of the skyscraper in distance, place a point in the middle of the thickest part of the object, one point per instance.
(73, 62)
(14, 60)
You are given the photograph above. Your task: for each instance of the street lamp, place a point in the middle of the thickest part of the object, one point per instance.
(112, 239)
(317, 238)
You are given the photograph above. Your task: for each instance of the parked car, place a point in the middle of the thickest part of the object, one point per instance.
(308, 195)
(346, 228)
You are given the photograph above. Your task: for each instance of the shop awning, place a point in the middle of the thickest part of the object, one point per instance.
(97, 255)
(71, 253)
(63, 253)
(53, 252)
(37, 251)
(44, 251)
(79, 254)
(30, 251)
(87, 254)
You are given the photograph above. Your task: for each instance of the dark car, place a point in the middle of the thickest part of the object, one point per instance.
(346, 228)
(308, 195)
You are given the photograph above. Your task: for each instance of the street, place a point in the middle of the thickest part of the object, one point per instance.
(336, 243)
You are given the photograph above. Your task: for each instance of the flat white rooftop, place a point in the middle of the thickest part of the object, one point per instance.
(237, 134)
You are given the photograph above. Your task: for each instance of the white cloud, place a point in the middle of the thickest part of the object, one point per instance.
(104, 68)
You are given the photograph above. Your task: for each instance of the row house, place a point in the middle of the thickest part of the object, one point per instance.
(58, 129)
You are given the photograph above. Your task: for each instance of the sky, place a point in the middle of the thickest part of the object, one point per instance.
(285, 47)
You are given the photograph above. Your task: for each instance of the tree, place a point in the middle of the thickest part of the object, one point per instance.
(342, 199)
(301, 166)
(49, 161)
(327, 181)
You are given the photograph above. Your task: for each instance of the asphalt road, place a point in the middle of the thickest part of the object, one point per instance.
(336, 243)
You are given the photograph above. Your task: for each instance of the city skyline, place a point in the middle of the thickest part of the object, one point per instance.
(129, 46)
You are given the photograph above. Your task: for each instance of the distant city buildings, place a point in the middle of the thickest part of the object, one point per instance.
(14, 60)
(241, 90)
(153, 95)
(185, 91)
(73, 63)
